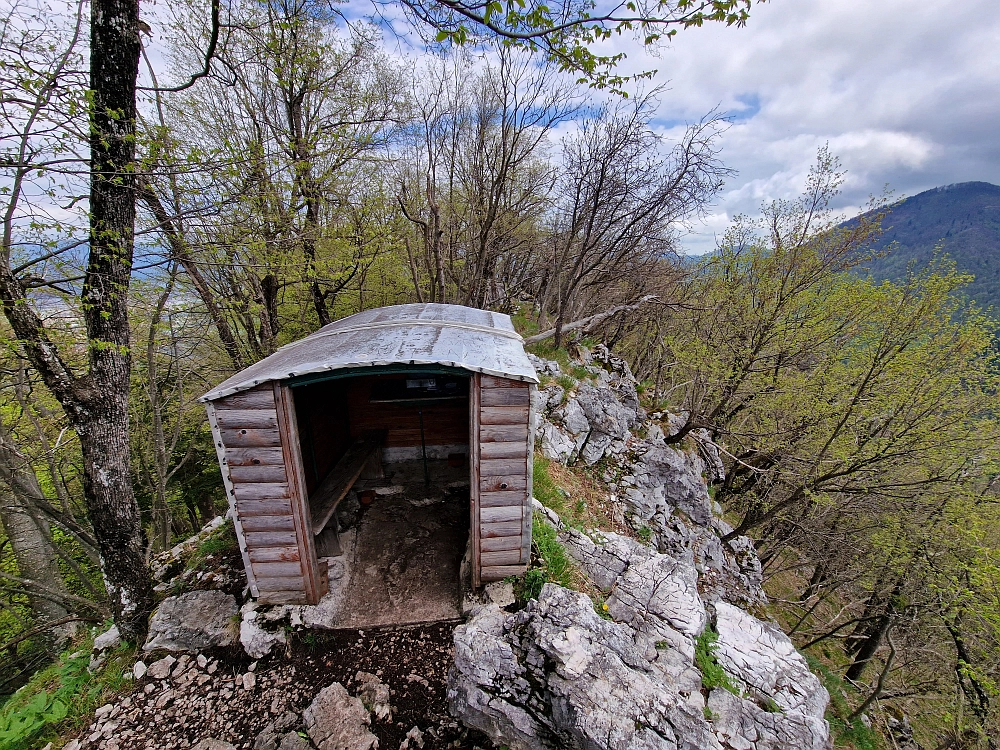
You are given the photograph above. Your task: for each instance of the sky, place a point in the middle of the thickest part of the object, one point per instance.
(905, 92)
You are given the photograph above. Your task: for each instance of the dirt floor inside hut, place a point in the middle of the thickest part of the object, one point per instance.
(401, 560)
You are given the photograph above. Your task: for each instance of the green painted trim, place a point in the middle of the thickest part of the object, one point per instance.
(396, 369)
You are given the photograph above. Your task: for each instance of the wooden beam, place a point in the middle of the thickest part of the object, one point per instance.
(475, 399)
(341, 478)
(313, 583)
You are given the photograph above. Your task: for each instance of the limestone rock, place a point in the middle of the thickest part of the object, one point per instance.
(109, 639)
(742, 725)
(192, 622)
(257, 641)
(555, 675)
(293, 741)
(160, 670)
(555, 443)
(764, 659)
(667, 478)
(271, 736)
(336, 721)
(374, 694)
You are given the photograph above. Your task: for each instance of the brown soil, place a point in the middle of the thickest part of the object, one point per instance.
(413, 662)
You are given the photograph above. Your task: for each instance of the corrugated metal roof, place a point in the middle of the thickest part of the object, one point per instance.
(423, 334)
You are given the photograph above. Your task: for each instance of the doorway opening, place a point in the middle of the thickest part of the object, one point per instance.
(387, 470)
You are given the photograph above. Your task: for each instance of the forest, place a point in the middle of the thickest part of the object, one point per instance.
(266, 168)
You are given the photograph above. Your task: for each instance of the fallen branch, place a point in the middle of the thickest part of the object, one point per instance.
(592, 321)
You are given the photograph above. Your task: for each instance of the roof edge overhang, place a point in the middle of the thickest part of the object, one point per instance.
(355, 369)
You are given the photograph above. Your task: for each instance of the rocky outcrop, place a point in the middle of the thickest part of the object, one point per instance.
(193, 622)
(556, 675)
(337, 721)
(565, 672)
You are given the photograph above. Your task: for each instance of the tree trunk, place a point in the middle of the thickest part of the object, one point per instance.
(103, 422)
(31, 541)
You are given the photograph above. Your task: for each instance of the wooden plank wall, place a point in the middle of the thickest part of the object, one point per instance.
(445, 422)
(504, 481)
(256, 439)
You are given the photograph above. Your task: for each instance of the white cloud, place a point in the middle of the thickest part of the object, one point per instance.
(905, 92)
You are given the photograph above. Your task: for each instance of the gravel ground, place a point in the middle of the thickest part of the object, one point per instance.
(226, 695)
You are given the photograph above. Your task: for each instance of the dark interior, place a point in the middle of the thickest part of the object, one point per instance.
(408, 515)
(334, 413)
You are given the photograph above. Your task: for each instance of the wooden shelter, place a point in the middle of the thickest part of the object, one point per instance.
(296, 430)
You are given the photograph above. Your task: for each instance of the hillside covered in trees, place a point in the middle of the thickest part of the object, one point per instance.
(962, 221)
(299, 173)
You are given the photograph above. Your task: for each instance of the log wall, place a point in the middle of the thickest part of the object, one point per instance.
(256, 438)
(502, 477)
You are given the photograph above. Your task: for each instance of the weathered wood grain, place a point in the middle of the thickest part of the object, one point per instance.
(500, 415)
(497, 484)
(495, 544)
(507, 498)
(262, 491)
(220, 452)
(282, 583)
(501, 467)
(275, 507)
(237, 419)
(250, 438)
(507, 528)
(504, 513)
(502, 450)
(257, 540)
(501, 557)
(314, 583)
(282, 597)
(492, 381)
(253, 474)
(529, 475)
(506, 397)
(499, 572)
(254, 457)
(257, 398)
(274, 554)
(277, 570)
(504, 433)
(268, 523)
(475, 409)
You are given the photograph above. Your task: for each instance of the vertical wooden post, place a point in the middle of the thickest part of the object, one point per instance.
(475, 384)
(526, 519)
(315, 584)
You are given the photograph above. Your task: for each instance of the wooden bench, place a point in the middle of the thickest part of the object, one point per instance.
(324, 501)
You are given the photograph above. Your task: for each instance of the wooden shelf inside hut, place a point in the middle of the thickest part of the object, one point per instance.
(419, 390)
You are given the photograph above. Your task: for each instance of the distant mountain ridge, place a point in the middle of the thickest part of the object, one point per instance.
(962, 219)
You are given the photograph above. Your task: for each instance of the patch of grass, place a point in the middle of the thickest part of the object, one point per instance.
(60, 699)
(601, 607)
(558, 565)
(544, 487)
(567, 384)
(223, 539)
(645, 534)
(529, 586)
(577, 497)
(712, 673)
